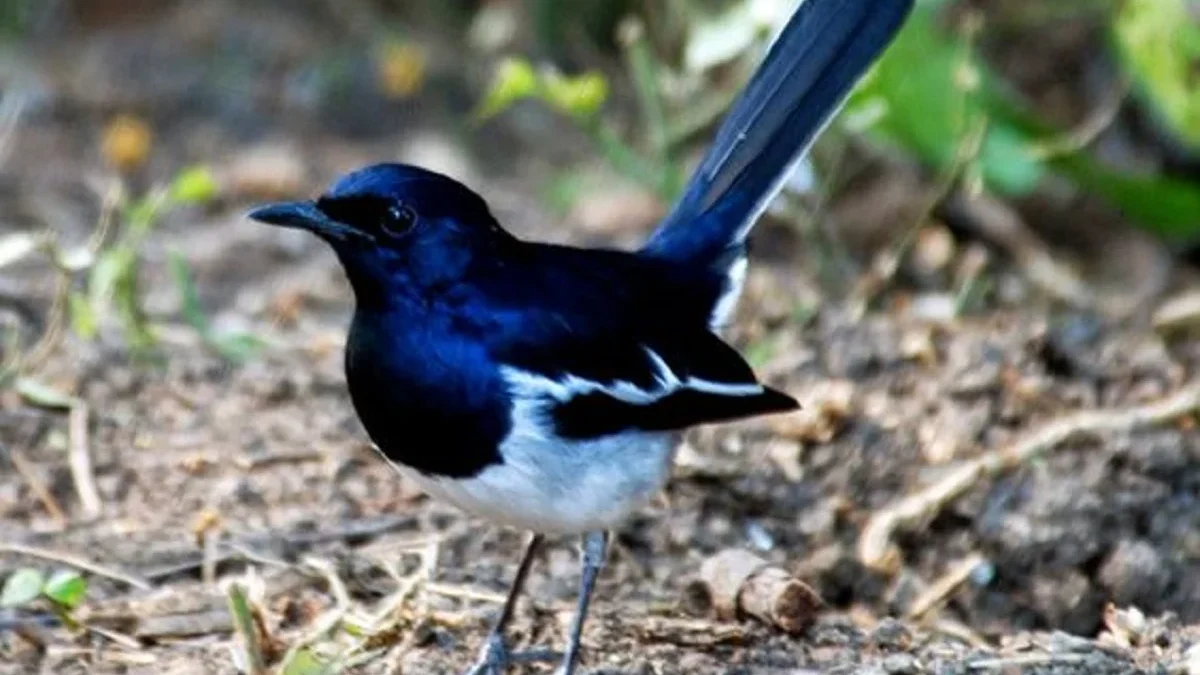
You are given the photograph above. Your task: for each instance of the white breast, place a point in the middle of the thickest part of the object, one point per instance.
(551, 484)
(555, 487)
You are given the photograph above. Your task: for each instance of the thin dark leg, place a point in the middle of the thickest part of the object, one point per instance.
(496, 657)
(595, 546)
(518, 583)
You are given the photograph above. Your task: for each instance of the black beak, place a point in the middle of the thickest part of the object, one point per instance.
(305, 216)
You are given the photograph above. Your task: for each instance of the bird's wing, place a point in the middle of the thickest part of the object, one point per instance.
(708, 382)
(592, 343)
(593, 385)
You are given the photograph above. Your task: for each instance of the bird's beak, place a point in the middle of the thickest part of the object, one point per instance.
(305, 216)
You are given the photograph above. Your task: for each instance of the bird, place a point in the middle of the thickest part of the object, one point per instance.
(545, 387)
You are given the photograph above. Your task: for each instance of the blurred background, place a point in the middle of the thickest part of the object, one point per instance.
(1001, 228)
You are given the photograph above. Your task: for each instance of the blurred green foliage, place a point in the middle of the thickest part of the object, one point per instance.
(929, 90)
(1159, 45)
(112, 287)
(932, 96)
(928, 93)
(99, 282)
(15, 17)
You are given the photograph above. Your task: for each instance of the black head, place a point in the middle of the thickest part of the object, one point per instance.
(396, 225)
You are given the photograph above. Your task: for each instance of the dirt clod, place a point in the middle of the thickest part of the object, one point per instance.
(1135, 573)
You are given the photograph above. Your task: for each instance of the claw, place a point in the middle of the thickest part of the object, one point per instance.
(495, 658)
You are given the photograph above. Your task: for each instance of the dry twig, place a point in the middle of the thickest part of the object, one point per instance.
(1090, 128)
(743, 584)
(940, 591)
(875, 548)
(137, 657)
(75, 561)
(1021, 660)
(465, 593)
(1001, 224)
(27, 471)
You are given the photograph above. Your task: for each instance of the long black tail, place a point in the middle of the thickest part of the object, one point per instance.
(805, 78)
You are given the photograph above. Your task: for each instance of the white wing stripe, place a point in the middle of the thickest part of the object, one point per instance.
(671, 382)
(530, 385)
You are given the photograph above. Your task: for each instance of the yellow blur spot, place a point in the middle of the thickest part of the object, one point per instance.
(580, 96)
(400, 70)
(126, 142)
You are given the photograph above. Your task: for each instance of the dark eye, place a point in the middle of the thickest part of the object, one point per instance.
(399, 219)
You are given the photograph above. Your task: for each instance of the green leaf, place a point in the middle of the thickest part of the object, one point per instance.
(83, 317)
(67, 588)
(187, 292)
(1167, 207)
(926, 94)
(244, 626)
(194, 185)
(1009, 161)
(43, 395)
(235, 347)
(580, 96)
(514, 79)
(1158, 42)
(105, 275)
(22, 588)
(305, 662)
(143, 213)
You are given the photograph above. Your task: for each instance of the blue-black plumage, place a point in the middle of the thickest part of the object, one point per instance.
(544, 386)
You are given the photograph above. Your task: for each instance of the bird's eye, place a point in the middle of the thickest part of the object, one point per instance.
(399, 219)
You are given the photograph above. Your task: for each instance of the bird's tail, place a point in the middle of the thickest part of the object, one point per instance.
(805, 78)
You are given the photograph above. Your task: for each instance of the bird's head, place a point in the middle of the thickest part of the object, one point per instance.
(396, 227)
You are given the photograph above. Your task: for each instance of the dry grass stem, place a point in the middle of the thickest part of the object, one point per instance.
(80, 459)
(938, 593)
(875, 548)
(77, 562)
(38, 486)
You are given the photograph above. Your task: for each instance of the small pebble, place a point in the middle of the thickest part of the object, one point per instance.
(759, 537)
(901, 664)
(983, 574)
(891, 634)
(1193, 660)
(1134, 573)
(936, 307)
(933, 249)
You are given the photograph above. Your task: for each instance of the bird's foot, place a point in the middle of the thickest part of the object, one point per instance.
(495, 657)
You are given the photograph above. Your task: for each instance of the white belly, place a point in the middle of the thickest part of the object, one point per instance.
(555, 487)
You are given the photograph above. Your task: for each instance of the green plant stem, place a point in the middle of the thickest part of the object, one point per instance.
(623, 158)
(243, 621)
(644, 70)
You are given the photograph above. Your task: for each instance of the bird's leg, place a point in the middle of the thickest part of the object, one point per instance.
(595, 547)
(495, 656)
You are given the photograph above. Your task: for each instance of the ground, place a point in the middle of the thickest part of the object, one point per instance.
(1069, 542)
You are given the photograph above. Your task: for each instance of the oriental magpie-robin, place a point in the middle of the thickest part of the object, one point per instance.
(544, 387)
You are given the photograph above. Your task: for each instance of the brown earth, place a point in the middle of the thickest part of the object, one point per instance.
(1080, 557)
